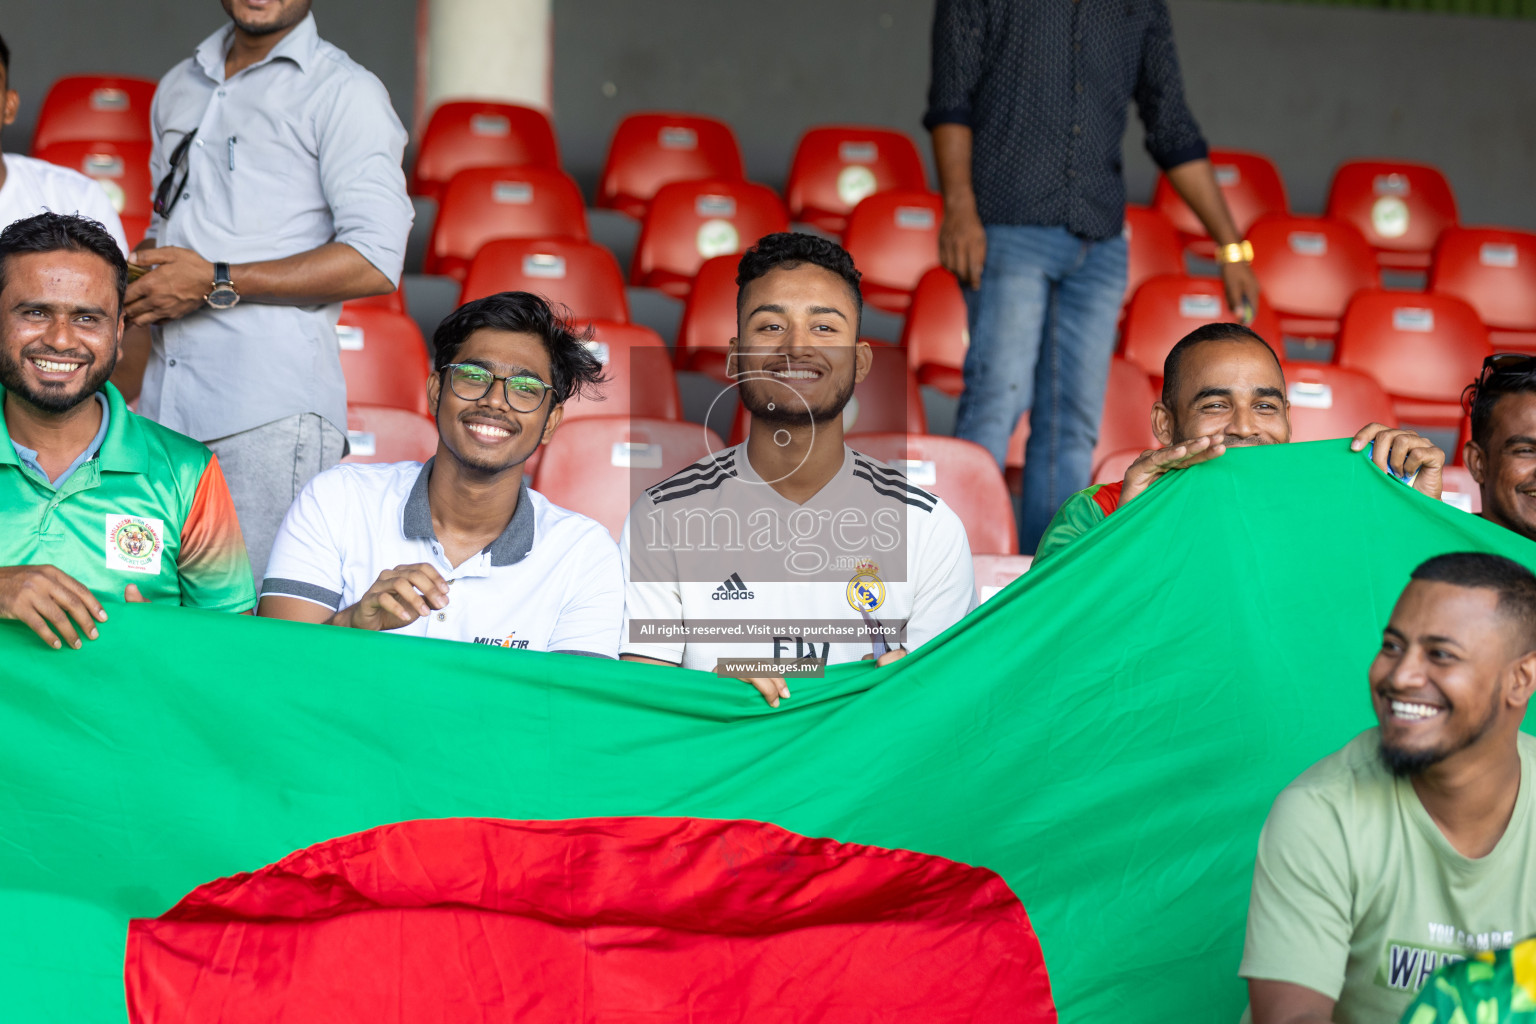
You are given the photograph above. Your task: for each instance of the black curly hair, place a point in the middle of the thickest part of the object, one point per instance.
(790, 249)
(573, 369)
(62, 232)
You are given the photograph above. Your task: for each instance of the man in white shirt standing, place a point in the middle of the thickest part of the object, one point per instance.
(460, 548)
(791, 550)
(281, 195)
(29, 187)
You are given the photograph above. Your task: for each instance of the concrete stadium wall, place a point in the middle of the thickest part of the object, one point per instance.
(51, 38)
(1309, 85)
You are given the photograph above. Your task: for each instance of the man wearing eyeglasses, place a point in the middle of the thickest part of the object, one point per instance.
(1501, 453)
(460, 548)
(281, 195)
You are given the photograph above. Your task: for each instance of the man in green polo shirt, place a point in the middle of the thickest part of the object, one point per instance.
(1223, 388)
(96, 503)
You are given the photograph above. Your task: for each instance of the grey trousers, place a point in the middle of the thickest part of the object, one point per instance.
(267, 467)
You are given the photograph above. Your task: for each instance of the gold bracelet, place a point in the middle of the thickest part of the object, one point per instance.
(1237, 252)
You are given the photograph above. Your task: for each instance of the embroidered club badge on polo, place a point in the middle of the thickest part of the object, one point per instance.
(134, 543)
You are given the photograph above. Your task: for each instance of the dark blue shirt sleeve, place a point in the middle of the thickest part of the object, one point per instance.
(959, 58)
(1173, 137)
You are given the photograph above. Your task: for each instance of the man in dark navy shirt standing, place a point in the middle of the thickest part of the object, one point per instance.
(1027, 108)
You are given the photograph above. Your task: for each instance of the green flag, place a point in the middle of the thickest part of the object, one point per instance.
(1107, 735)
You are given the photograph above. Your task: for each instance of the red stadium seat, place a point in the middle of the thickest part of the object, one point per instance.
(1153, 248)
(1494, 270)
(1112, 467)
(1166, 308)
(95, 108)
(393, 301)
(121, 168)
(894, 240)
(709, 318)
(1250, 184)
(482, 203)
(1423, 349)
(1400, 208)
(479, 133)
(638, 366)
(1459, 489)
(1331, 401)
(1463, 435)
(936, 332)
(1309, 268)
(961, 473)
(835, 167)
(581, 275)
(1125, 423)
(383, 358)
(651, 150)
(874, 408)
(994, 572)
(377, 433)
(689, 222)
(599, 465)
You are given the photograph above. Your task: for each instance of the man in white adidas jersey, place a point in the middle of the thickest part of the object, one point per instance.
(791, 550)
(460, 548)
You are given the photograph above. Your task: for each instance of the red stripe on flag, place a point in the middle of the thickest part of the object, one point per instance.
(606, 919)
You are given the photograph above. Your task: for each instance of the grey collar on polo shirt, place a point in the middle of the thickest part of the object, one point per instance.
(508, 549)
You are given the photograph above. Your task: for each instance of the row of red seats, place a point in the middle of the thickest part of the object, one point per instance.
(1310, 268)
(1399, 210)
(893, 235)
(833, 167)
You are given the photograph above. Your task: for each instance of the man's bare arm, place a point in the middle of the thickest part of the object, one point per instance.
(1195, 182)
(962, 239)
(181, 278)
(772, 688)
(1280, 1002)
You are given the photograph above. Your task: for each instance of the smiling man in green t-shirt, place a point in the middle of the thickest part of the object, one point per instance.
(96, 503)
(1415, 845)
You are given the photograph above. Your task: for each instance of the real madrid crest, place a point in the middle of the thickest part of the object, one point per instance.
(866, 591)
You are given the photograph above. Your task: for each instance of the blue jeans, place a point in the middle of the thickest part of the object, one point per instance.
(1042, 333)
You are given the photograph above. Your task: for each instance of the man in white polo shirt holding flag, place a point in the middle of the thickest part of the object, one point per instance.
(460, 548)
(791, 551)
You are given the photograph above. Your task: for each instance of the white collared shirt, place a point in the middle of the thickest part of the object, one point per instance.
(299, 149)
(36, 186)
(716, 544)
(550, 582)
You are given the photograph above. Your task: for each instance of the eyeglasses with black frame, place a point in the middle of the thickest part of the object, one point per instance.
(472, 382)
(168, 193)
